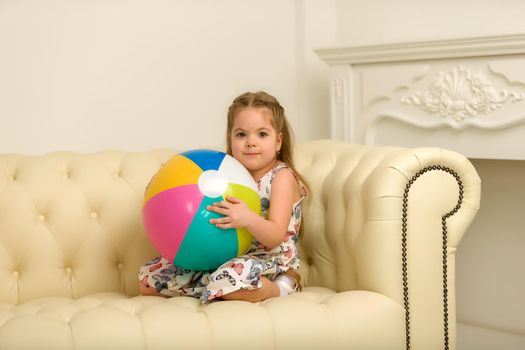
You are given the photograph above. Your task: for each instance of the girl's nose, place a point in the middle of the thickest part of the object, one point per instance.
(250, 141)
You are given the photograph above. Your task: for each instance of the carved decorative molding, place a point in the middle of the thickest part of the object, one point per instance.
(473, 105)
(461, 94)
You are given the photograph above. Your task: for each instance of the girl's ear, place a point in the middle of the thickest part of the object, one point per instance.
(279, 142)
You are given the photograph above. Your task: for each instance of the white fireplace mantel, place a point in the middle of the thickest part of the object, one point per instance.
(466, 95)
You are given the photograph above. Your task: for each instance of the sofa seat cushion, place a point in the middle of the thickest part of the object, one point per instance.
(316, 318)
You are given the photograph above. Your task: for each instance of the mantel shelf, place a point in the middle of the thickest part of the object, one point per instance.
(464, 94)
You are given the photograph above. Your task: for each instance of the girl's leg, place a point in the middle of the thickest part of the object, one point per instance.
(242, 279)
(269, 289)
(160, 277)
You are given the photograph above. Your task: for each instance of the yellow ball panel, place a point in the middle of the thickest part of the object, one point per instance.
(246, 194)
(178, 171)
(244, 240)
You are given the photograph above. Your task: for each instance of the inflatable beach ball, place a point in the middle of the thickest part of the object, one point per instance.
(175, 215)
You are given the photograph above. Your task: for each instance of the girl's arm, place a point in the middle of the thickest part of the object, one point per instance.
(269, 232)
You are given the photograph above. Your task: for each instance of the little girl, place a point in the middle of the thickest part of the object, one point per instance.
(258, 135)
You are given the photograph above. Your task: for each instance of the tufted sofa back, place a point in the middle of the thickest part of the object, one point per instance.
(70, 223)
(334, 214)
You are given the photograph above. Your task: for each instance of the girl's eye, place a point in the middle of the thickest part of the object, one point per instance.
(240, 134)
(263, 134)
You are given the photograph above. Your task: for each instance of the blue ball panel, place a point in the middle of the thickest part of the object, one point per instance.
(205, 159)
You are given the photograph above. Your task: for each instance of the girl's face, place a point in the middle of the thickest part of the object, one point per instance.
(254, 140)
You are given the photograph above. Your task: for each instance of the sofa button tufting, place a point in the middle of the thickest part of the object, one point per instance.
(41, 217)
(16, 274)
(120, 266)
(94, 215)
(68, 270)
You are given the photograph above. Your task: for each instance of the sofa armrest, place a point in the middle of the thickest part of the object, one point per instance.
(417, 205)
(354, 238)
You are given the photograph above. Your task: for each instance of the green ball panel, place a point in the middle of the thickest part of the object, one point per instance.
(205, 246)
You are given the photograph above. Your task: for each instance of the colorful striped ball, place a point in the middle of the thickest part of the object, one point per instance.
(175, 215)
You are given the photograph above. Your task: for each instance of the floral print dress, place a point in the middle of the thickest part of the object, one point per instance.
(241, 272)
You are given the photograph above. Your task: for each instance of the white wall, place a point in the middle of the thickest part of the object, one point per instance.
(135, 74)
(365, 22)
(490, 261)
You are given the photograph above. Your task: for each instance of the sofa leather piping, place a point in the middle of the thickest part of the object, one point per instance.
(444, 247)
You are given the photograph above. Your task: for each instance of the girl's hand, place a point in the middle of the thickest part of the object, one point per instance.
(236, 213)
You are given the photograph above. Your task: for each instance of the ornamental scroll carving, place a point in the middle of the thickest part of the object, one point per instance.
(461, 94)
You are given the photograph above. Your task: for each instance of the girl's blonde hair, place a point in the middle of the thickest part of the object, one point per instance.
(261, 99)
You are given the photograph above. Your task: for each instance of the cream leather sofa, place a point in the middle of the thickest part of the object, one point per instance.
(377, 227)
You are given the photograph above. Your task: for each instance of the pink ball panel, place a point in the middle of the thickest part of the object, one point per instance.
(169, 214)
